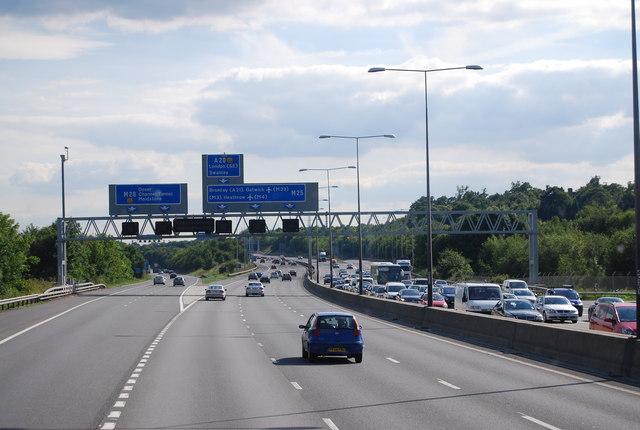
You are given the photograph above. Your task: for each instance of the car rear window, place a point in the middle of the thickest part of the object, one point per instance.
(336, 322)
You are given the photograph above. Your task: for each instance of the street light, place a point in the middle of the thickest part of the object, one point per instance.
(357, 139)
(62, 244)
(329, 223)
(426, 130)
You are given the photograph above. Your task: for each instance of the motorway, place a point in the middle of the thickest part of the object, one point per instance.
(161, 357)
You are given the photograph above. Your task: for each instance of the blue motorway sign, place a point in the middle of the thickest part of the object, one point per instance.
(147, 199)
(261, 197)
(223, 166)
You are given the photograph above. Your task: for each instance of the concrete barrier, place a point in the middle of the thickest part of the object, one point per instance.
(616, 355)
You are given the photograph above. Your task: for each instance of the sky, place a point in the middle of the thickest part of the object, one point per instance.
(138, 90)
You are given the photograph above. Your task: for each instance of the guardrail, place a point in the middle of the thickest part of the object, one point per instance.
(51, 293)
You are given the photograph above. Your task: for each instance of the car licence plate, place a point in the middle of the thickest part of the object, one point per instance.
(337, 350)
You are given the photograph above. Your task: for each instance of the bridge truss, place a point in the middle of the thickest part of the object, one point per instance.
(316, 223)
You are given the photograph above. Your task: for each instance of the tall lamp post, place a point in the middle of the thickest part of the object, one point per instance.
(426, 131)
(329, 223)
(357, 139)
(62, 244)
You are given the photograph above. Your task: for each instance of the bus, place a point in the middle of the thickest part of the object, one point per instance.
(384, 272)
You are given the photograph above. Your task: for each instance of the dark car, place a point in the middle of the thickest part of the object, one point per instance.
(327, 278)
(521, 309)
(602, 300)
(252, 276)
(409, 295)
(449, 294)
(293, 272)
(178, 280)
(286, 277)
(332, 333)
(265, 278)
(172, 275)
(571, 294)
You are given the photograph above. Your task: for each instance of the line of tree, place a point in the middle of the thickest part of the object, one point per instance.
(588, 231)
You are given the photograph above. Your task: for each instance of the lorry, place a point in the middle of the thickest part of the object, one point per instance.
(405, 265)
(322, 256)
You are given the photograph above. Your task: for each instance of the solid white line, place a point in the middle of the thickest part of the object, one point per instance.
(296, 386)
(330, 424)
(448, 384)
(540, 423)
(392, 360)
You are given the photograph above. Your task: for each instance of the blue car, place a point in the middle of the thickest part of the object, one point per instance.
(332, 333)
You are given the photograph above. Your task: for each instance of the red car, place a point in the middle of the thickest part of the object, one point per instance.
(438, 300)
(615, 318)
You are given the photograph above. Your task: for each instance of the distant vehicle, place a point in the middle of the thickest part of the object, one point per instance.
(556, 308)
(392, 289)
(449, 294)
(178, 280)
(386, 272)
(408, 295)
(510, 284)
(408, 283)
(571, 294)
(215, 292)
(159, 279)
(332, 333)
(286, 276)
(322, 256)
(421, 281)
(252, 276)
(517, 308)
(524, 293)
(615, 318)
(254, 289)
(405, 265)
(293, 272)
(335, 265)
(172, 275)
(477, 296)
(378, 291)
(349, 266)
(441, 283)
(437, 299)
(275, 275)
(326, 279)
(264, 278)
(602, 300)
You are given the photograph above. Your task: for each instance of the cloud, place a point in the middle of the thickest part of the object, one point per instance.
(24, 45)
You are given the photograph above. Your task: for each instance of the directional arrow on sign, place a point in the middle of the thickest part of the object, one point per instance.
(165, 208)
(132, 209)
(223, 180)
(290, 205)
(222, 207)
(255, 206)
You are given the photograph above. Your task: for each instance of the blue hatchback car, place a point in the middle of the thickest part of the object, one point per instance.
(332, 333)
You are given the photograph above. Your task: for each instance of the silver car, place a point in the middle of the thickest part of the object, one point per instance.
(215, 292)
(254, 289)
(557, 308)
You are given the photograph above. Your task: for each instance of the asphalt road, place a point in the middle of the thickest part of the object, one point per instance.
(149, 357)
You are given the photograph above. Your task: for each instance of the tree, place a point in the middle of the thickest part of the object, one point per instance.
(43, 249)
(452, 265)
(14, 259)
(555, 201)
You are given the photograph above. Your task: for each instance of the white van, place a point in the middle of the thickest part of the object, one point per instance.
(477, 296)
(511, 284)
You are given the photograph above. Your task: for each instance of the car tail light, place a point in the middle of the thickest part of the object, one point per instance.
(316, 331)
(356, 330)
